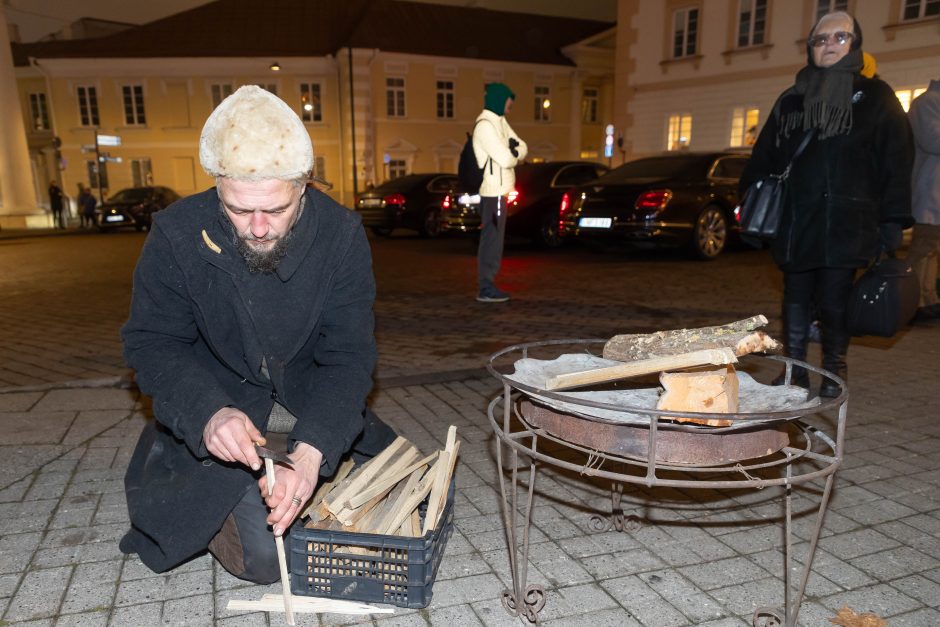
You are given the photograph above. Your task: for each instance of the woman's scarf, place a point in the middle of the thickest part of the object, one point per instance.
(827, 95)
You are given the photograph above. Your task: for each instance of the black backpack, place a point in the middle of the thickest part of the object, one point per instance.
(469, 174)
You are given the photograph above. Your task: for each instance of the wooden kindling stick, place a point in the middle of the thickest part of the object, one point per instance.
(717, 356)
(273, 603)
(281, 557)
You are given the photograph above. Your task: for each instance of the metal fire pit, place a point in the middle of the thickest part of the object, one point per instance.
(757, 450)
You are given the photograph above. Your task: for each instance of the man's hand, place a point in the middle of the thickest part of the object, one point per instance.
(230, 435)
(293, 487)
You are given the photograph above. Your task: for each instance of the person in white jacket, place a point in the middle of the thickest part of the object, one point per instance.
(497, 149)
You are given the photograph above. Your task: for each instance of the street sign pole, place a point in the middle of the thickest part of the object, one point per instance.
(98, 169)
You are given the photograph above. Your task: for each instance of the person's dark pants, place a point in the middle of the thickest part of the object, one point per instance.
(492, 234)
(828, 289)
(57, 221)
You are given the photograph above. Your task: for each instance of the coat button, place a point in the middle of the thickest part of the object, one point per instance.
(274, 395)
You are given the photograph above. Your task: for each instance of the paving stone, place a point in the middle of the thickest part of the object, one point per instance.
(697, 606)
(743, 598)
(603, 618)
(18, 401)
(39, 594)
(723, 572)
(85, 619)
(893, 563)
(918, 618)
(189, 611)
(86, 400)
(642, 602)
(881, 599)
(454, 616)
(466, 589)
(408, 620)
(921, 588)
(16, 550)
(37, 427)
(857, 543)
(142, 614)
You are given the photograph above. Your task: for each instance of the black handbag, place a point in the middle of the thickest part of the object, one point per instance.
(883, 299)
(763, 202)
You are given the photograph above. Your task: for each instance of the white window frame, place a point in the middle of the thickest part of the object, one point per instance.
(922, 6)
(748, 18)
(395, 96)
(219, 92)
(445, 99)
(141, 171)
(543, 103)
(590, 97)
(684, 14)
(38, 112)
(136, 114)
(676, 124)
(311, 93)
(397, 167)
(828, 6)
(87, 98)
(742, 120)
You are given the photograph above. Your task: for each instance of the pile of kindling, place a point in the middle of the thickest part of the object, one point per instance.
(383, 495)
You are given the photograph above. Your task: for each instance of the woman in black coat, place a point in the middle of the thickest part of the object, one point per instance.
(849, 194)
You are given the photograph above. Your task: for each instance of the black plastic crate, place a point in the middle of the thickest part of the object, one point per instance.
(396, 570)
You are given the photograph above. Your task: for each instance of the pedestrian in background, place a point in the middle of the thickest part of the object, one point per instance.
(849, 193)
(56, 201)
(497, 149)
(924, 115)
(86, 206)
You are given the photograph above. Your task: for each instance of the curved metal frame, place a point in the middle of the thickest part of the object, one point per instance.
(815, 447)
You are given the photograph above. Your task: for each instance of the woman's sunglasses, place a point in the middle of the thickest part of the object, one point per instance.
(840, 38)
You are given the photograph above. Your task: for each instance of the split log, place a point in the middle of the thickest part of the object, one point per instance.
(741, 336)
(351, 513)
(707, 391)
(391, 479)
(403, 510)
(313, 509)
(361, 479)
(381, 523)
(714, 356)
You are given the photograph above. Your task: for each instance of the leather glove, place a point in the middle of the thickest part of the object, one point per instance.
(513, 142)
(890, 234)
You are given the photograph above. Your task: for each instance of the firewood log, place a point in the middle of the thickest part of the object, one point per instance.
(741, 336)
(708, 391)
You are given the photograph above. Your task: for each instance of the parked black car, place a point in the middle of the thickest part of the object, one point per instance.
(674, 200)
(533, 205)
(133, 207)
(413, 201)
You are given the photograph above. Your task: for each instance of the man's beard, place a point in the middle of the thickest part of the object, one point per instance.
(262, 259)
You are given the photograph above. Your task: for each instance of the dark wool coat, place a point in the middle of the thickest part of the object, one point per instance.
(841, 188)
(199, 326)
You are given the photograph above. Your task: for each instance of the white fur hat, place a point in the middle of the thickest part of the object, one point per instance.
(252, 136)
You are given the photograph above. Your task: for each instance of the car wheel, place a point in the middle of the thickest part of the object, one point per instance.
(431, 225)
(549, 236)
(710, 234)
(382, 231)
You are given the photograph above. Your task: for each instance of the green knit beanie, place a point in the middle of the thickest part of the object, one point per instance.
(496, 96)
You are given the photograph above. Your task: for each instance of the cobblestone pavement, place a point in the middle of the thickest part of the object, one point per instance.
(700, 557)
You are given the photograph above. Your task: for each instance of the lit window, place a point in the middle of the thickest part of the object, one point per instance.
(319, 167)
(445, 100)
(271, 87)
(38, 112)
(395, 97)
(743, 127)
(684, 32)
(589, 106)
(141, 172)
(220, 91)
(752, 18)
(543, 103)
(906, 96)
(134, 105)
(680, 131)
(397, 168)
(87, 105)
(310, 106)
(828, 6)
(917, 9)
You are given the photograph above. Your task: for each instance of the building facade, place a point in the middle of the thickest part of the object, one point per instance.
(373, 112)
(704, 74)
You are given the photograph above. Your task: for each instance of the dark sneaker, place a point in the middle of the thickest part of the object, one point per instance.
(492, 295)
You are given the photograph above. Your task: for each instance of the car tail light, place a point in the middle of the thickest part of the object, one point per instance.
(394, 199)
(513, 198)
(565, 203)
(654, 200)
(737, 214)
(447, 202)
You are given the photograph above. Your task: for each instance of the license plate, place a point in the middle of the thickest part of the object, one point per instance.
(595, 223)
(371, 202)
(114, 218)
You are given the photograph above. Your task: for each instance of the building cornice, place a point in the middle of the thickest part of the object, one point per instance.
(185, 67)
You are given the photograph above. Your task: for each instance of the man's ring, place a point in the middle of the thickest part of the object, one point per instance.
(296, 501)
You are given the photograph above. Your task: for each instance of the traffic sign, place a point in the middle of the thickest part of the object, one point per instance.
(109, 140)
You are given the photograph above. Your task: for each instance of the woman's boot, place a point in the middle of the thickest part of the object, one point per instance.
(835, 346)
(796, 321)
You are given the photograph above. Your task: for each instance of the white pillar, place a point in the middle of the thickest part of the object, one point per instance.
(574, 136)
(16, 175)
